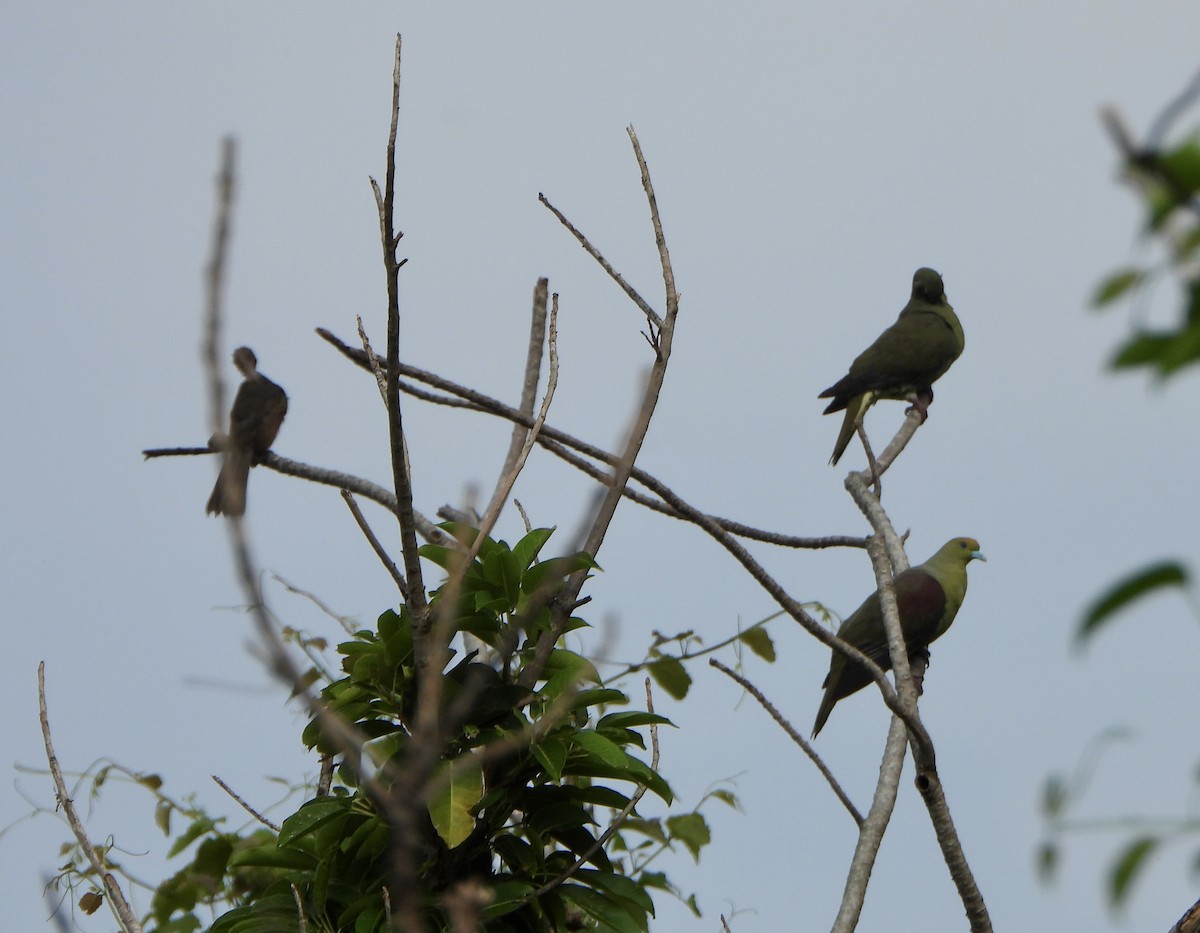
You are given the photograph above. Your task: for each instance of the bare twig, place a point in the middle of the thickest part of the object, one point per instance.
(651, 314)
(301, 920)
(116, 897)
(533, 369)
(344, 621)
(387, 562)
(794, 736)
(215, 277)
(245, 806)
(375, 366)
(401, 474)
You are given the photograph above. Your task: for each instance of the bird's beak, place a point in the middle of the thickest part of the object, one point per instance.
(978, 555)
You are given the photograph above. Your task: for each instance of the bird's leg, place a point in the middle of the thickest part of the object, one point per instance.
(219, 441)
(918, 669)
(921, 400)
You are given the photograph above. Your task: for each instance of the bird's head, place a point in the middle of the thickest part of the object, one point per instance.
(245, 360)
(963, 549)
(927, 286)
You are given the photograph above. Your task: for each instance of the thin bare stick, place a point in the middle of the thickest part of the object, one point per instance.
(401, 474)
(376, 366)
(508, 480)
(116, 897)
(795, 736)
(215, 276)
(660, 240)
(344, 621)
(245, 806)
(302, 921)
(533, 369)
(384, 559)
(651, 314)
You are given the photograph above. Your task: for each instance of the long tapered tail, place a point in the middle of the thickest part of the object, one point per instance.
(229, 494)
(855, 409)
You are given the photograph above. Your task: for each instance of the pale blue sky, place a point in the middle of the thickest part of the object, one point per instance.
(806, 160)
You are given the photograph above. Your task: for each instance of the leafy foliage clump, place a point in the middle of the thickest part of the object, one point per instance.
(513, 813)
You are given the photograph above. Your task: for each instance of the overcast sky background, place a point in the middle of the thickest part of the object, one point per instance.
(806, 159)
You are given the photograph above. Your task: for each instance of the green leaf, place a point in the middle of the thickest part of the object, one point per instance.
(692, 830)
(450, 807)
(565, 669)
(635, 771)
(508, 896)
(552, 753)
(609, 917)
(1182, 164)
(271, 856)
(1133, 587)
(670, 674)
(195, 830)
(600, 748)
(758, 641)
(549, 574)
(1142, 349)
(1128, 866)
(620, 886)
(1117, 285)
(311, 816)
(162, 816)
(631, 719)
(596, 696)
(651, 829)
(528, 548)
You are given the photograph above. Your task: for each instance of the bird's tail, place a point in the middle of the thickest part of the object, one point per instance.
(229, 494)
(855, 409)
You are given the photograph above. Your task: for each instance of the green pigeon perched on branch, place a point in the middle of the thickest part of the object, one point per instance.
(928, 598)
(905, 360)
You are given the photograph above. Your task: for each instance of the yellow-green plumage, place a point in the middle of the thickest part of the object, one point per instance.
(928, 597)
(904, 361)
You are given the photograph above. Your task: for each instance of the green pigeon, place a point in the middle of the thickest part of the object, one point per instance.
(904, 362)
(928, 598)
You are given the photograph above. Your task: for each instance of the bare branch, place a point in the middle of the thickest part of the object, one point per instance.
(387, 562)
(651, 314)
(401, 475)
(215, 277)
(871, 832)
(795, 736)
(245, 806)
(533, 369)
(115, 896)
(558, 442)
